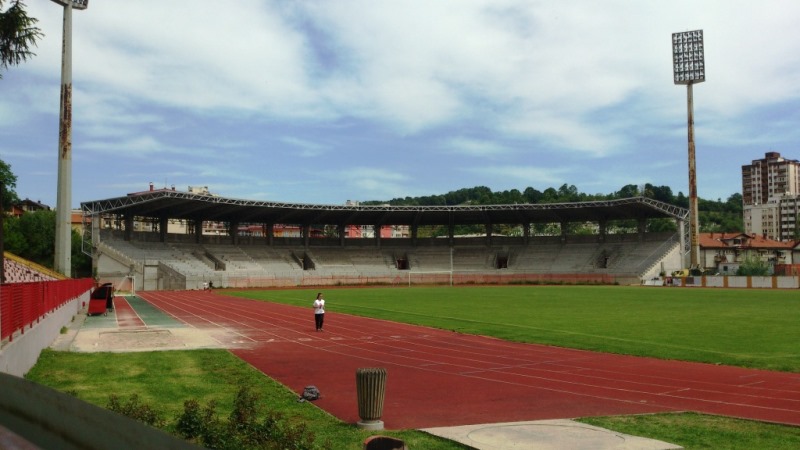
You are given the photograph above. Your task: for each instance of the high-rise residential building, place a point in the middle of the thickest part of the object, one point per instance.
(770, 193)
(770, 177)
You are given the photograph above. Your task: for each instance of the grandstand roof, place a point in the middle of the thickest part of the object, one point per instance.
(172, 204)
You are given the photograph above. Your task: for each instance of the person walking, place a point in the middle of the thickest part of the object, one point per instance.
(319, 311)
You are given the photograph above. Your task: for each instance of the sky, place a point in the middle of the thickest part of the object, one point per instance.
(323, 102)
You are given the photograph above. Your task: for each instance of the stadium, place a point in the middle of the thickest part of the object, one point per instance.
(272, 244)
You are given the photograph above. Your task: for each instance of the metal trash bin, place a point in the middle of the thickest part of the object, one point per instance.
(371, 390)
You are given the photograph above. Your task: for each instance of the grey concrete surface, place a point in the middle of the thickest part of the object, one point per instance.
(546, 435)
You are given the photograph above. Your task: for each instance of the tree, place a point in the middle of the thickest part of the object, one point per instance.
(8, 181)
(628, 191)
(8, 197)
(18, 34)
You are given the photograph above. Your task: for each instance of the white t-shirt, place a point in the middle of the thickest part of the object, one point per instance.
(319, 306)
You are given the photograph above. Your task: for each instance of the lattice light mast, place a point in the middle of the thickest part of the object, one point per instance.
(689, 67)
(63, 250)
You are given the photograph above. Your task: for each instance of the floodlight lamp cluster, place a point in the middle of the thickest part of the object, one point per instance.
(688, 57)
(76, 4)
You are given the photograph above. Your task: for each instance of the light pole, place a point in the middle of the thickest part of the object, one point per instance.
(689, 67)
(63, 256)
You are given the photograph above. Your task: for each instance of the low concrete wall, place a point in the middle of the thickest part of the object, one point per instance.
(788, 282)
(20, 354)
(771, 282)
(761, 282)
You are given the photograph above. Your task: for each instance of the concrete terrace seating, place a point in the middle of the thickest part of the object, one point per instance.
(273, 259)
(349, 261)
(234, 257)
(429, 259)
(16, 272)
(253, 261)
(154, 252)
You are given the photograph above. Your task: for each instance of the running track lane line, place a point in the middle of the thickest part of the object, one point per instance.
(441, 378)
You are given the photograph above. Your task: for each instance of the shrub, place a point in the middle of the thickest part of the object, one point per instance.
(135, 410)
(243, 429)
(753, 266)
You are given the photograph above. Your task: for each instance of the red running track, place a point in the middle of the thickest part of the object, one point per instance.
(439, 378)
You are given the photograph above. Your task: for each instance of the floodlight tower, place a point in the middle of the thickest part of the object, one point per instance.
(63, 253)
(689, 67)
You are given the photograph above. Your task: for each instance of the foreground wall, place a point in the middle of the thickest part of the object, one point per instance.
(20, 354)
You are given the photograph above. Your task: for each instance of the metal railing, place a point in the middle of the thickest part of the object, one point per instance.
(23, 304)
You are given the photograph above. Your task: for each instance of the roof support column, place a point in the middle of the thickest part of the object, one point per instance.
(341, 230)
(233, 232)
(526, 233)
(641, 226)
(377, 231)
(128, 219)
(162, 228)
(451, 231)
(564, 225)
(198, 231)
(414, 229)
(268, 232)
(602, 230)
(306, 232)
(489, 234)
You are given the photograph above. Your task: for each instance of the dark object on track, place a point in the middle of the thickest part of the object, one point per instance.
(101, 300)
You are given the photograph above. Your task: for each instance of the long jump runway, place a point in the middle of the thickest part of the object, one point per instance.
(438, 378)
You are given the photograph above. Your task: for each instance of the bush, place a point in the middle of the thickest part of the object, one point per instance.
(136, 410)
(243, 429)
(753, 266)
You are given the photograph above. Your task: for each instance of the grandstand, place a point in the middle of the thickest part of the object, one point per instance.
(189, 259)
(20, 270)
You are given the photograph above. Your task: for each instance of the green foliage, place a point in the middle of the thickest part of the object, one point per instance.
(135, 409)
(32, 236)
(18, 34)
(244, 429)
(691, 430)
(8, 181)
(195, 419)
(753, 266)
(80, 261)
(714, 215)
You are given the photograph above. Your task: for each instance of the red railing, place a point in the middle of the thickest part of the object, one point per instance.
(24, 304)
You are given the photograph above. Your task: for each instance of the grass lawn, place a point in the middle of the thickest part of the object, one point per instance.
(697, 431)
(744, 327)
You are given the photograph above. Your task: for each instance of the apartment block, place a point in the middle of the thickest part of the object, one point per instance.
(770, 193)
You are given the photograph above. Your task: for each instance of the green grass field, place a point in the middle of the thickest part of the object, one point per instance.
(749, 328)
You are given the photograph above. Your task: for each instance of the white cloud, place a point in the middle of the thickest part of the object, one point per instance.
(214, 87)
(528, 175)
(477, 147)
